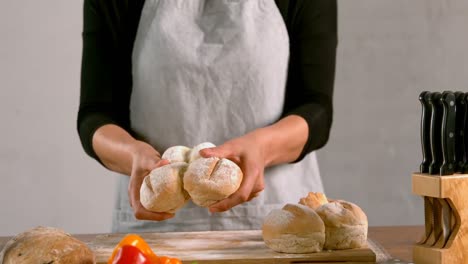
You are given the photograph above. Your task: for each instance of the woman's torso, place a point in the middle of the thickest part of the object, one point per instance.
(212, 70)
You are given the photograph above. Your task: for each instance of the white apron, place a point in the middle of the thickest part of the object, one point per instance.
(212, 70)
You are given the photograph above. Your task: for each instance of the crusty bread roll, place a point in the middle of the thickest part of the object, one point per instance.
(209, 180)
(345, 225)
(195, 153)
(177, 154)
(294, 229)
(46, 245)
(162, 190)
(314, 200)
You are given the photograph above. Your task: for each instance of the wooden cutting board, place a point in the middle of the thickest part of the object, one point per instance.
(226, 247)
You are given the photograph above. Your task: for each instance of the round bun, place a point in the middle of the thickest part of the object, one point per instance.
(294, 229)
(195, 153)
(209, 180)
(162, 190)
(177, 154)
(314, 200)
(46, 245)
(345, 225)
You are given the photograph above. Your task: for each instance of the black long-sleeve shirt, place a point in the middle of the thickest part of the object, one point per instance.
(109, 32)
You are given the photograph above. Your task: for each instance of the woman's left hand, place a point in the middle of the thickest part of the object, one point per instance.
(249, 153)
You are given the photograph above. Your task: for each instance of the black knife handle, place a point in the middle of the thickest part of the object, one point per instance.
(435, 132)
(461, 112)
(465, 134)
(448, 133)
(424, 98)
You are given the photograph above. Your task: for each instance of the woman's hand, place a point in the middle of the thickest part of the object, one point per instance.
(144, 159)
(248, 152)
(281, 142)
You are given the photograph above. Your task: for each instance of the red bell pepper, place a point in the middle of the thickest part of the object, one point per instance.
(130, 255)
(132, 249)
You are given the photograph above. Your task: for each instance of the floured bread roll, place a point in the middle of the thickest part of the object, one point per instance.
(177, 154)
(162, 190)
(195, 153)
(314, 200)
(294, 229)
(209, 180)
(345, 225)
(46, 245)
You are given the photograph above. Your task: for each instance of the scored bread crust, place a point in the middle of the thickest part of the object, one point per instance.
(346, 225)
(46, 245)
(209, 180)
(162, 190)
(294, 229)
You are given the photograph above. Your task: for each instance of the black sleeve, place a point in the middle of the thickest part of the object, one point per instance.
(105, 75)
(313, 40)
(106, 67)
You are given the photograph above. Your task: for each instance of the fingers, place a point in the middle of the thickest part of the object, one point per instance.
(142, 172)
(141, 213)
(258, 188)
(135, 183)
(162, 162)
(223, 151)
(244, 193)
(139, 210)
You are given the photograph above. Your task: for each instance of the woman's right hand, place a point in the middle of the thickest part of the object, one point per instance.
(144, 159)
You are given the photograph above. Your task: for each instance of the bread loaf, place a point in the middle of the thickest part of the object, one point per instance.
(46, 245)
(162, 190)
(209, 180)
(206, 181)
(177, 154)
(294, 229)
(345, 225)
(314, 200)
(195, 152)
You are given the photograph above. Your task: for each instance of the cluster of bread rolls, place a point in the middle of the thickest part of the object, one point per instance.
(46, 245)
(204, 180)
(314, 224)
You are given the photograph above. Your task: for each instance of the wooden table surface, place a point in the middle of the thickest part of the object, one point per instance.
(397, 240)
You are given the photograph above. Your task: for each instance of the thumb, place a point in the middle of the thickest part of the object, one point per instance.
(222, 151)
(162, 162)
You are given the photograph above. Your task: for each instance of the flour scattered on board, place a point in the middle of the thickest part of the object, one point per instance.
(197, 244)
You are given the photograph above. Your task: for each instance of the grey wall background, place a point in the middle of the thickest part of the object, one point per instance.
(389, 51)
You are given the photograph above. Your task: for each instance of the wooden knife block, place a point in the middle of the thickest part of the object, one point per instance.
(455, 189)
